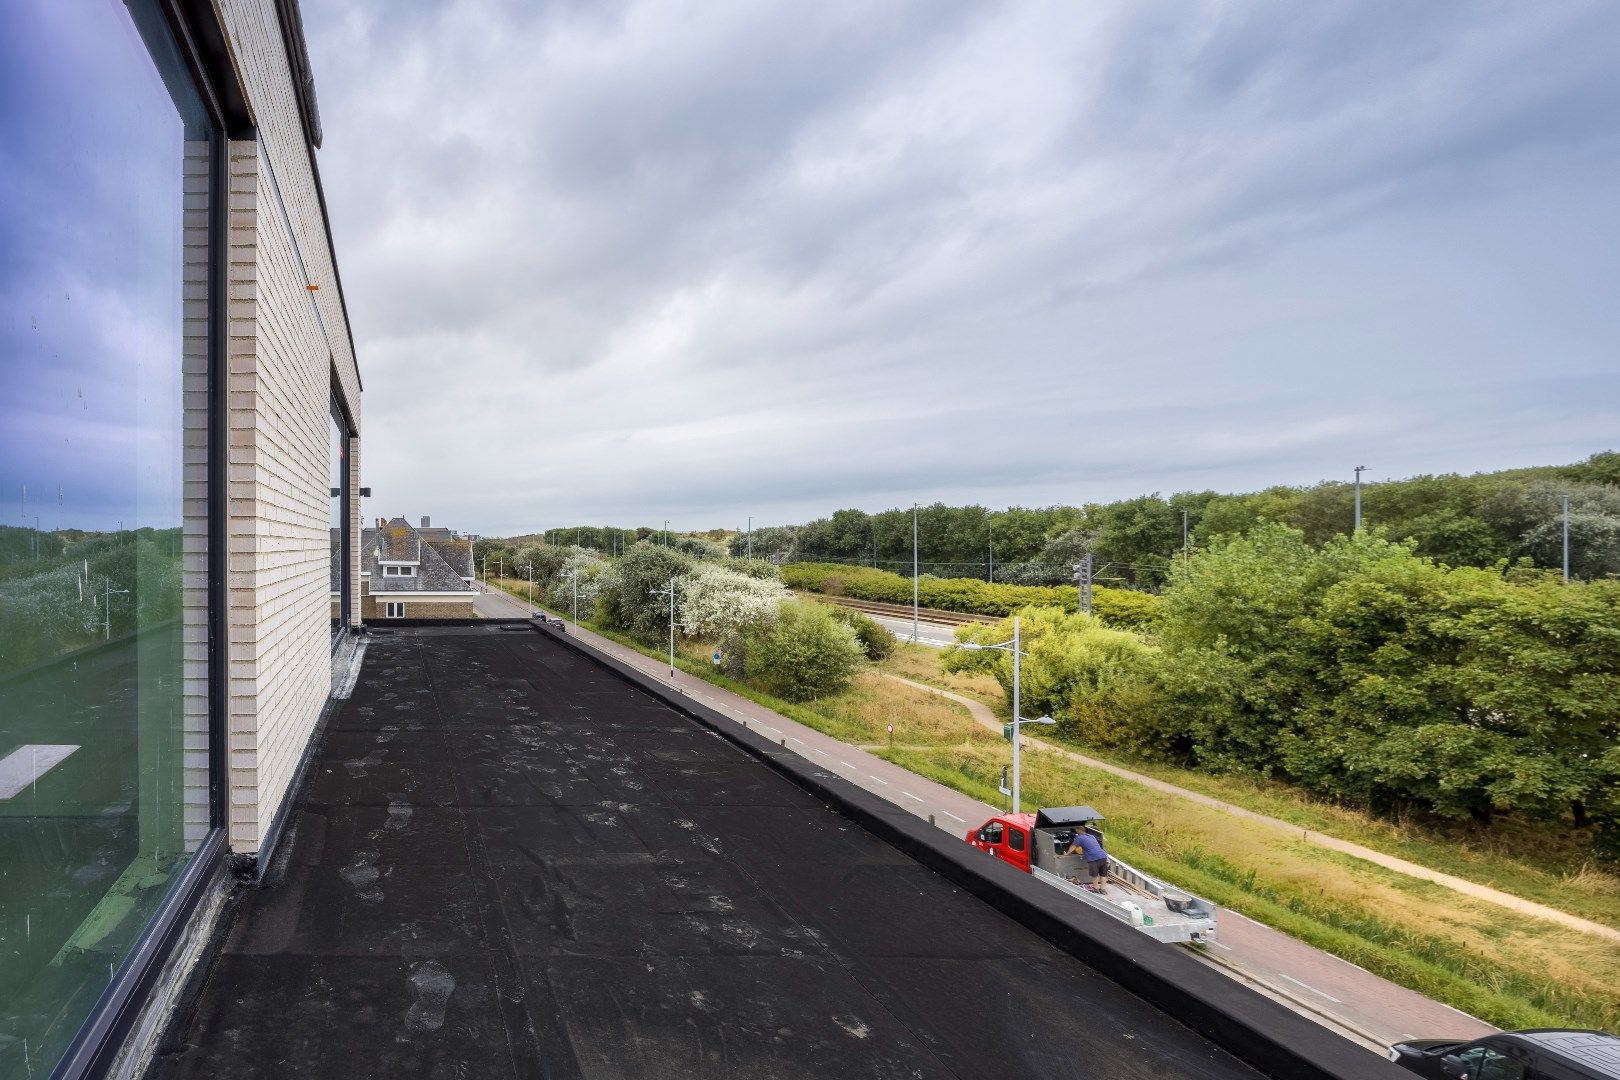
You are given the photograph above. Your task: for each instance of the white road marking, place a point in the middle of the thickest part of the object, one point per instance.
(823, 753)
(879, 779)
(909, 795)
(792, 739)
(845, 764)
(1312, 989)
(772, 730)
(948, 814)
(23, 767)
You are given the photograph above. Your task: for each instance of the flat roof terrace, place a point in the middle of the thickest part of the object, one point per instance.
(506, 861)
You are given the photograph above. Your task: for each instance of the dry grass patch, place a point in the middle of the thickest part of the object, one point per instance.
(921, 663)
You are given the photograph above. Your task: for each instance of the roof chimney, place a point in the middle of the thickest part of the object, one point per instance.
(427, 522)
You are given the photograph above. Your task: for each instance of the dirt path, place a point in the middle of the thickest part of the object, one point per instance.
(983, 715)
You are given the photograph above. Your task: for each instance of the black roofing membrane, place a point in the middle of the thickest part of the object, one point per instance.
(507, 861)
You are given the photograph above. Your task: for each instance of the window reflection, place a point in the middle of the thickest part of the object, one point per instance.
(337, 470)
(103, 226)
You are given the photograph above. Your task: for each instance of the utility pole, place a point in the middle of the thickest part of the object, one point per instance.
(1359, 470)
(991, 521)
(914, 567)
(1082, 577)
(750, 537)
(1185, 551)
(1566, 539)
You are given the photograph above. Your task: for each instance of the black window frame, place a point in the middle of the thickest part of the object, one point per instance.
(1015, 838)
(345, 523)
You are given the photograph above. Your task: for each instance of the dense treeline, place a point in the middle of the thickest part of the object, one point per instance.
(1458, 520)
(1358, 669)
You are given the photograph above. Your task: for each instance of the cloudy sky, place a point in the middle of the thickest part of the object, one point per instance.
(622, 262)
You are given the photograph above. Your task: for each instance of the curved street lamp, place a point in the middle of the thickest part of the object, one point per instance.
(1015, 647)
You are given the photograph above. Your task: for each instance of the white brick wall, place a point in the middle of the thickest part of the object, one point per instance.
(288, 351)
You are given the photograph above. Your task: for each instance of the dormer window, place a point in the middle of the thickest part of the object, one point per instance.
(399, 571)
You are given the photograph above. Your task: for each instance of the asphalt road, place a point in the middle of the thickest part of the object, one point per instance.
(508, 862)
(492, 603)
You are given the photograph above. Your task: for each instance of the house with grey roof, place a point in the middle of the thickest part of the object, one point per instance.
(415, 572)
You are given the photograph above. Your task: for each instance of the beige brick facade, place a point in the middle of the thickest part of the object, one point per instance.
(288, 353)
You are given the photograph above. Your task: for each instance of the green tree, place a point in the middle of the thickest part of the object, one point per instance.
(804, 653)
(626, 598)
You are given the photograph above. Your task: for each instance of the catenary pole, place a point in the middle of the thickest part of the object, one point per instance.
(1566, 539)
(914, 591)
(1359, 470)
(991, 521)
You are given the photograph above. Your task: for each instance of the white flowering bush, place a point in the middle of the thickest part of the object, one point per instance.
(589, 567)
(714, 601)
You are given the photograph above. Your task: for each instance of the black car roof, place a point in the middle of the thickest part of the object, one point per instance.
(1595, 1050)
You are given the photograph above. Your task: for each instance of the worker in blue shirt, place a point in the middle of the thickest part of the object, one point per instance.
(1088, 845)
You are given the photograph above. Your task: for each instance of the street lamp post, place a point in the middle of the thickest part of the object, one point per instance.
(669, 591)
(1359, 470)
(1015, 647)
(106, 606)
(573, 583)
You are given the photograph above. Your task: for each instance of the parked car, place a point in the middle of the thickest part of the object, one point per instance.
(1543, 1054)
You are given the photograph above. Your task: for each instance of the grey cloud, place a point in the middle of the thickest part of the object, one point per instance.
(646, 260)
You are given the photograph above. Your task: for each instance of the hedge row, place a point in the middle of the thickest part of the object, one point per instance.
(1118, 607)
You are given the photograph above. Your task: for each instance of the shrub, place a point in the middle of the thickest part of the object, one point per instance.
(754, 568)
(804, 653)
(699, 548)
(1097, 682)
(876, 642)
(590, 569)
(714, 600)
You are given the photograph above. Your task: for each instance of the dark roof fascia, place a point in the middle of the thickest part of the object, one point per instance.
(292, 39)
(207, 51)
(291, 21)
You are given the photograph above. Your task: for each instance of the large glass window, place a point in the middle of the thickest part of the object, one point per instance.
(105, 158)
